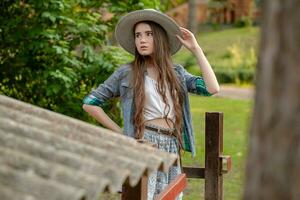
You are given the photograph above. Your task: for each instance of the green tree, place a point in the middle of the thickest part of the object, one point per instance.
(53, 52)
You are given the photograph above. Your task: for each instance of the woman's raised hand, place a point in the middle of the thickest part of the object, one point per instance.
(188, 40)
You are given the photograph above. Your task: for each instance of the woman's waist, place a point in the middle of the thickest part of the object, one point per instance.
(165, 123)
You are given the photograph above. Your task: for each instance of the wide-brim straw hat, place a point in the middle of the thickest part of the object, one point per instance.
(124, 30)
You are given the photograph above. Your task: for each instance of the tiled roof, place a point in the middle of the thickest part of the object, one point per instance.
(46, 155)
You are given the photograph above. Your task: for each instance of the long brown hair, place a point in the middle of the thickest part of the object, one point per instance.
(166, 76)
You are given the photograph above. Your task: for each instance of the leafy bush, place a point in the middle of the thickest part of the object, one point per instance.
(228, 51)
(189, 62)
(245, 21)
(225, 75)
(237, 66)
(242, 66)
(239, 75)
(53, 52)
(246, 75)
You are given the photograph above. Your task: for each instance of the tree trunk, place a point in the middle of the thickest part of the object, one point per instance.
(192, 19)
(274, 154)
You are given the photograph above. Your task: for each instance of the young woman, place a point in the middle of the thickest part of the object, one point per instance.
(154, 91)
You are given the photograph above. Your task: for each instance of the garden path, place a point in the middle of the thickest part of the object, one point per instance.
(235, 92)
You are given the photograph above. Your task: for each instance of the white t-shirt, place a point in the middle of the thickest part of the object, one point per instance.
(154, 104)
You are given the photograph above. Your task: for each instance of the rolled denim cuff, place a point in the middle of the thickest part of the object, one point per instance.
(92, 100)
(201, 87)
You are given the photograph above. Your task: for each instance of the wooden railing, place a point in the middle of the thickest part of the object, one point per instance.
(173, 189)
(216, 164)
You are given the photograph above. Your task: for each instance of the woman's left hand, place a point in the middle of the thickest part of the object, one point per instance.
(188, 40)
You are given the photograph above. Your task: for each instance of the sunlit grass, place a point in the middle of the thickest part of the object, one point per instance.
(216, 46)
(236, 122)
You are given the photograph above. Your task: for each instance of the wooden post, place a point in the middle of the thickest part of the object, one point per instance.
(139, 192)
(216, 164)
(213, 153)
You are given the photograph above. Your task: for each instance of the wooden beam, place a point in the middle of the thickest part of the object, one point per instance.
(173, 189)
(194, 172)
(213, 151)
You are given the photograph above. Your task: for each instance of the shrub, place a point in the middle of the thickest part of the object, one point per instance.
(225, 75)
(245, 21)
(246, 75)
(52, 53)
(238, 75)
(242, 66)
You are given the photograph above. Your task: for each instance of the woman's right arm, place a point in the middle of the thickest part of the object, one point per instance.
(98, 113)
(93, 102)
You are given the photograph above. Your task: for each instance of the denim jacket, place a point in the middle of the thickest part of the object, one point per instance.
(118, 85)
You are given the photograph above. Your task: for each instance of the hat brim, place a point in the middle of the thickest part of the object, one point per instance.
(124, 29)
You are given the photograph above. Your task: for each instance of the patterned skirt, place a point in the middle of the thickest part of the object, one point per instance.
(159, 180)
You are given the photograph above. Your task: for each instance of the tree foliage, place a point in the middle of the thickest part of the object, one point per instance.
(53, 52)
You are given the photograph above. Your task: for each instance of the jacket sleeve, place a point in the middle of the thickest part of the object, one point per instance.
(195, 84)
(105, 91)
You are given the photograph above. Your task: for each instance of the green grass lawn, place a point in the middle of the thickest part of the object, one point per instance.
(219, 46)
(236, 122)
